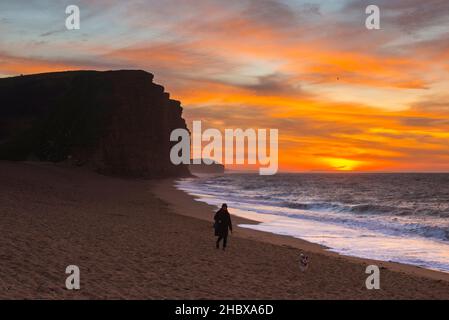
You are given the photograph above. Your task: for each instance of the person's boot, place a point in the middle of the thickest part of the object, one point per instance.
(217, 245)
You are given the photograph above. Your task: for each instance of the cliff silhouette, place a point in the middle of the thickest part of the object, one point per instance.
(203, 168)
(117, 122)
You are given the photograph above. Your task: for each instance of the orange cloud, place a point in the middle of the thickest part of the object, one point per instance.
(264, 64)
(17, 65)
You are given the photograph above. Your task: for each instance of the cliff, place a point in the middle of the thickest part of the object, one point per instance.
(202, 168)
(118, 122)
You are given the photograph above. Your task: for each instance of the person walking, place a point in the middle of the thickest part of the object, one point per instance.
(222, 224)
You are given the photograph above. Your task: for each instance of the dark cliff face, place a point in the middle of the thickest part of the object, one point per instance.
(203, 168)
(118, 122)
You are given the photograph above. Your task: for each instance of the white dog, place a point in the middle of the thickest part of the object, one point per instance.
(303, 262)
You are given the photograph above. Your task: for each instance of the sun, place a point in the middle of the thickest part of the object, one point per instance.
(341, 164)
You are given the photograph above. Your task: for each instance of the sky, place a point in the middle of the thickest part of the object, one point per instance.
(343, 97)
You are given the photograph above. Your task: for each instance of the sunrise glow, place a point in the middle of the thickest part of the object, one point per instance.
(344, 98)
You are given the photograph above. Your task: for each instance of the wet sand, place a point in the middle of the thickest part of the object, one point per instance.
(135, 239)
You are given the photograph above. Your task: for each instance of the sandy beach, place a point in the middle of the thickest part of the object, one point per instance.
(138, 239)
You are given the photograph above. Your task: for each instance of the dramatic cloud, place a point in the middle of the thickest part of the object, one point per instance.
(341, 95)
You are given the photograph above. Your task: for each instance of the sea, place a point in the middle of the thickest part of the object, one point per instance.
(397, 217)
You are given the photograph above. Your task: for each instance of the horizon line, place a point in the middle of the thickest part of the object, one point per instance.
(340, 172)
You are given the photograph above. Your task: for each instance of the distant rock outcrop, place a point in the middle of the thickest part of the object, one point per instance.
(214, 168)
(118, 122)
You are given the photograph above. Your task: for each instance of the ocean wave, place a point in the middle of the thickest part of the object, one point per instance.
(369, 209)
(370, 205)
(436, 232)
(339, 207)
(314, 206)
(379, 209)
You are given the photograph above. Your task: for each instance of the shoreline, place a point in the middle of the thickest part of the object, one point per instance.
(189, 204)
(140, 239)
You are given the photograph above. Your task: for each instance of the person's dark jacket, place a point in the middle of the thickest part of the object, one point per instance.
(223, 223)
